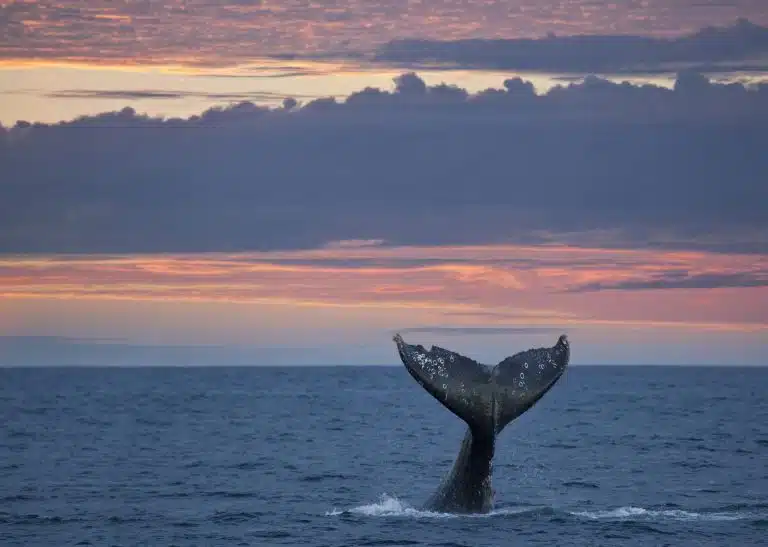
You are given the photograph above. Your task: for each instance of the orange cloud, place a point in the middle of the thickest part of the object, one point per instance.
(488, 283)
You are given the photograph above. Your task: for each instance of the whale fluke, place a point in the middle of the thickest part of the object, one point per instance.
(487, 399)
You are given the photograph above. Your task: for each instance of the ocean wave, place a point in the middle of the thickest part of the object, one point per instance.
(323, 477)
(581, 484)
(640, 513)
(236, 516)
(19, 497)
(33, 518)
(229, 494)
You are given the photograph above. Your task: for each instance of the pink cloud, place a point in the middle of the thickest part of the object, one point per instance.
(490, 284)
(221, 33)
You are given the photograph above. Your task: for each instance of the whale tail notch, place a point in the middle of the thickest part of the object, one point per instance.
(486, 398)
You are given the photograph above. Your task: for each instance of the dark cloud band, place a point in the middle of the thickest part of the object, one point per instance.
(654, 167)
(742, 46)
(677, 281)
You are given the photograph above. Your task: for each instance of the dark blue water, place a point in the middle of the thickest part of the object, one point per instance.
(344, 456)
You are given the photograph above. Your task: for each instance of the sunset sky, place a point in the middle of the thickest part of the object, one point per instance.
(264, 182)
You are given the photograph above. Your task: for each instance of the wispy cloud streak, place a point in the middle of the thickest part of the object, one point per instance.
(681, 280)
(533, 285)
(139, 94)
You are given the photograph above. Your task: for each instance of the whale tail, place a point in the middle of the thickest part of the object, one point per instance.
(486, 397)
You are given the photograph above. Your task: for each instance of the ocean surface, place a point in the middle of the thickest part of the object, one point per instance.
(345, 456)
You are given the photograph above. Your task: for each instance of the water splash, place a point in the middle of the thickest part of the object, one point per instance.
(390, 506)
(387, 506)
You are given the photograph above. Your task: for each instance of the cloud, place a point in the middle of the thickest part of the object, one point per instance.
(682, 280)
(113, 94)
(274, 73)
(215, 34)
(742, 46)
(479, 285)
(354, 243)
(138, 94)
(591, 163)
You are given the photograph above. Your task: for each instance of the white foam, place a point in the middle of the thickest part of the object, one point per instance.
(390, 506)
(387, 506)
(629, 513)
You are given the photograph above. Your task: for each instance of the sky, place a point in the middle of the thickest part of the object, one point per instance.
(291, 183)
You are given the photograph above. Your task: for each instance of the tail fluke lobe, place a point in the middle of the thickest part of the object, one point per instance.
(525, 377)
(461, 384)
(487, 398)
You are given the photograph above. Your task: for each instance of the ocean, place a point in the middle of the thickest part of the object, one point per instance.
(344, 456)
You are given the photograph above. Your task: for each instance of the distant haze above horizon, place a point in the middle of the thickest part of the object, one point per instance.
(292, 183)
(52, 351)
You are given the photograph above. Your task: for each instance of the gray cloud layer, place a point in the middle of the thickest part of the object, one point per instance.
(419, 165)
(742, 46)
